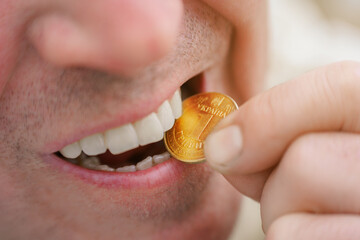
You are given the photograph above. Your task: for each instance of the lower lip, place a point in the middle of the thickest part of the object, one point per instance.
(166, 173)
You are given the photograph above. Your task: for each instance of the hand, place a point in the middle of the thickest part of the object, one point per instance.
(296, 149)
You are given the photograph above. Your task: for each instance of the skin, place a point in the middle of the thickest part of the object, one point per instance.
(63, 76)
(307, 172)
(68, 71)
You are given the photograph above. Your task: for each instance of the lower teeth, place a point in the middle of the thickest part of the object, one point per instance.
(130, 168)
(94, 163)
(144, 164)
(105, 167)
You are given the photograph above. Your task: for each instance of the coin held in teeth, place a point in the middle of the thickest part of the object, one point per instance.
(201, 113)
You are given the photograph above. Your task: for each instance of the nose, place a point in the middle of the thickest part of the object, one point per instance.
(119, 36)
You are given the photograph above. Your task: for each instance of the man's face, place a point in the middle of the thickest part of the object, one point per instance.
(69, 70)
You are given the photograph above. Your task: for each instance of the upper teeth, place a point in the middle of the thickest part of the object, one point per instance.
(129, 136)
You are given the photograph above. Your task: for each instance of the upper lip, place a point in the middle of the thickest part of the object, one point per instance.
(135, 112)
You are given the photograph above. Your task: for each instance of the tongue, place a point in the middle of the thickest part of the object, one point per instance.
(133, 156)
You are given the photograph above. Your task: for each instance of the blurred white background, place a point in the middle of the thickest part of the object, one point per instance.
(304, 34)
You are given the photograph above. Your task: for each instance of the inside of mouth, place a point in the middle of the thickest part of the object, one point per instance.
(134, 156)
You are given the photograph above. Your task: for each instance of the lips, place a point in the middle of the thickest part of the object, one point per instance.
(129, 136)
(133, 146)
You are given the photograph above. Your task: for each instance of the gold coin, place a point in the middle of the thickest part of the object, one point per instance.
(201, 113)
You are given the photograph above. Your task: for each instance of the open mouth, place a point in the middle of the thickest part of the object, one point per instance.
(134, 146)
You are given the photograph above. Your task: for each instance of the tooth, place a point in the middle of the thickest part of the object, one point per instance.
(71, 151)
(149, 129)
(121, 139)
(73, 161)
(104, 167)
(144, 164)
(90, 162)
(93, 145)
(130, 168)
(166, 116)
(161, 157)
(176, 104)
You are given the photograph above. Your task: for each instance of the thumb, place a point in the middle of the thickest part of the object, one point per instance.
(250, 142)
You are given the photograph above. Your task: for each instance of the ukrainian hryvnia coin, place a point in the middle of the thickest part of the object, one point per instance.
(201, 112)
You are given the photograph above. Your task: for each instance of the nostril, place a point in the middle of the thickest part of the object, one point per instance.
(58, 39)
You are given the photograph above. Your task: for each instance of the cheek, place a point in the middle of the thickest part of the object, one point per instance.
(15, 208)
(206, 31)
(11, 38)
(22, 109)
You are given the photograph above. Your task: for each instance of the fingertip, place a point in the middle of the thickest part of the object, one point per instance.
(223, 147)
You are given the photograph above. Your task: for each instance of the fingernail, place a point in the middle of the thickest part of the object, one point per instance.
(223, 146)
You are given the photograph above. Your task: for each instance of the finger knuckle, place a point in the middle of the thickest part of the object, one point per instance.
(278, 230)
(267, 107)
(341, 85)
(299, 156)
(342, 76)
